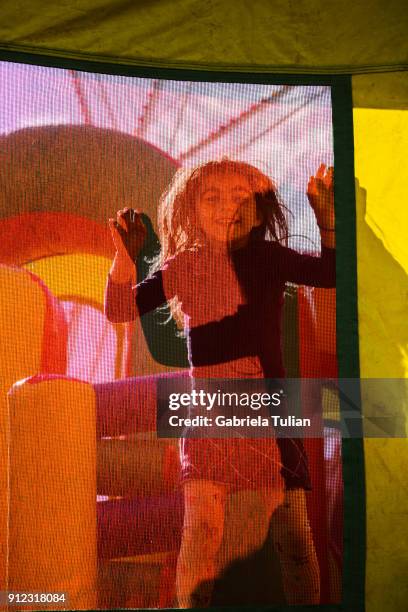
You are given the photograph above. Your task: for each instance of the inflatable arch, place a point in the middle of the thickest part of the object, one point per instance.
(65, 217)
(94, 173)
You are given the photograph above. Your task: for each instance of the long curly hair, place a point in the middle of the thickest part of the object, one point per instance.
(178, 226)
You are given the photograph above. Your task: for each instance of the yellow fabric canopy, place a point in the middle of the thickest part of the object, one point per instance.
(304, 36)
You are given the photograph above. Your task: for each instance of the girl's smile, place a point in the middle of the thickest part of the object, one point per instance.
(226, 208)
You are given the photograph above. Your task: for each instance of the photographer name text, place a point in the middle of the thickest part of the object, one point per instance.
(235, 421)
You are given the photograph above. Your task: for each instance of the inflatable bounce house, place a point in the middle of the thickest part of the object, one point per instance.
(108, 106)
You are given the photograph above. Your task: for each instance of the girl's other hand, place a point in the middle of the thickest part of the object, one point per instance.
(128, 233)
(320, 192)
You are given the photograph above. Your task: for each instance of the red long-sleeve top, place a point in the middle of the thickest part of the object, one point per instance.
(231, 302)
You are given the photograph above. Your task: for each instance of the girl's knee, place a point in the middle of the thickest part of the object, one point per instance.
(273, 499)
(204, 534)
(290, 525)
(204, 515)
(204, 499)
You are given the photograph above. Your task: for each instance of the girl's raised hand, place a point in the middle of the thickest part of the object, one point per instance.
(320, 192)
(128, 233)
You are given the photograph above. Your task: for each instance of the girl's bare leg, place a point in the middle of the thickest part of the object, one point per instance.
(294, 544)
(247, 519)
(202, 535)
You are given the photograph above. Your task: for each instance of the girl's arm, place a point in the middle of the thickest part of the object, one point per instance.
(125, 300)
(305, 269)
(119, 304)
(320, 193)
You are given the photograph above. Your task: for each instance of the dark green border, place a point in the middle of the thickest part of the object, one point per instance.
(347, 314)
(176, 74)
(348, 345)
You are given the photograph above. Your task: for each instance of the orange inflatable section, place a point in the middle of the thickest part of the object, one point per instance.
(52, 529)
(32, 339)
(30, 236)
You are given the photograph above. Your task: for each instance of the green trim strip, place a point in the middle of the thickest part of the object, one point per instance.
(347, 318)
(26, 54)
(348, 344)
(164, 72)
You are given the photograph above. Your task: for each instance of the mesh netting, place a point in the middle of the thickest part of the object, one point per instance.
(236, 280)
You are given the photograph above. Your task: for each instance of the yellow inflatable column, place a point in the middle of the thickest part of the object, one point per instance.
(52, 528)
(31, 339)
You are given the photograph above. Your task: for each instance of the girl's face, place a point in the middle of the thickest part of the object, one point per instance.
(226, 209)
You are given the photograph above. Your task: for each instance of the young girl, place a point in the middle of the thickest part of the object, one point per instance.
(223, 268)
